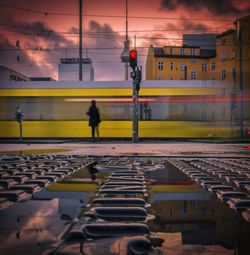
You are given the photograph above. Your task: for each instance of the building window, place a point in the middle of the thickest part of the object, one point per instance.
(223, 41)
(182, 211)
(183, 64)
(171, 50)
(193, 60)
(193, 75)
(204, 67)
(192, 52)
(223, 74)
(170, 212)
(213, 66)
(160, 65)
(171, 66)
(192, 204)
(182, 51)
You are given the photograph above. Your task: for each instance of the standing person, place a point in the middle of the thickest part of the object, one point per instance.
(94, 118)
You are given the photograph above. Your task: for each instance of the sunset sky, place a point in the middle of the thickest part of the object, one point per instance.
(48, 30)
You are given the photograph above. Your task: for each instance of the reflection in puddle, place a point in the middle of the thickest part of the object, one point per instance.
(187, 218)
(32, 226)
(202, 223)
(33, 222)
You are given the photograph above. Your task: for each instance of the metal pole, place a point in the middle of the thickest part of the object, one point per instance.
(126, 40)
(136, 87)
(135, 114)
(80, 40)
(21, 130)
(241, 83)
(126, 20)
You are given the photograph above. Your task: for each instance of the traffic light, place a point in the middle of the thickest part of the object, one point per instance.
(19, 114)
(133, 58)
(138, 79)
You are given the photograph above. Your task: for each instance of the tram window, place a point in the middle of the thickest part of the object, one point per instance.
(57, 108)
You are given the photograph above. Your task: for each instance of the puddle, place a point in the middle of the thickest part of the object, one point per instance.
(34, 151)
(187, 218)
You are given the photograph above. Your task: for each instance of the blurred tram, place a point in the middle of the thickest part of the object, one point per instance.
(167, 109)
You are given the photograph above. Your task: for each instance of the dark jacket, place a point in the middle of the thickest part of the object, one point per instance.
(94, 116)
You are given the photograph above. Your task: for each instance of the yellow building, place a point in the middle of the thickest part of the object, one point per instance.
(243, 70)
(178, 63)
(243, 50)
(194, 63)
(229, 63)
(191, 63)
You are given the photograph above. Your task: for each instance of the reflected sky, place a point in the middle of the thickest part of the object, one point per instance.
(187, 218)
(34, 225)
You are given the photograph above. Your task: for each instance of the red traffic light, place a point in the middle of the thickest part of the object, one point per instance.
(133, 58)
(132, 54)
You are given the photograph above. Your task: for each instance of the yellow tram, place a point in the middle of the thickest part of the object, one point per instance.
(167, 109)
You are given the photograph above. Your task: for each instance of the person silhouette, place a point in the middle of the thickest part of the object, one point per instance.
(94, 119)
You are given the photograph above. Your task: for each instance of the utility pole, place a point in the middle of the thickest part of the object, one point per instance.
(125, 52)
(126, 44)
(80, 40)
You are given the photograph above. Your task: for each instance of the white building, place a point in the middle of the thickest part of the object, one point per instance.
(8, 74)
(68, 69)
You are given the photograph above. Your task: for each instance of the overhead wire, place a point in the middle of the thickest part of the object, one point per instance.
(109, 16)
(106, 32)
(101, 34)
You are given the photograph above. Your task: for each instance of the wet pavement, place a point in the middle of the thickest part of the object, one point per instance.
(188, 219)
(102, 148)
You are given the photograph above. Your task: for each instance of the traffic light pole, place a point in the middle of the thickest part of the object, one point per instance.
(136, 75)
(21, 130)
(135, 113)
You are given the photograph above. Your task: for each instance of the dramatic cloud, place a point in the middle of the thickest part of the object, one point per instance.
(104, 48)
(40, 48)
(214, 6)
(172, 33)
